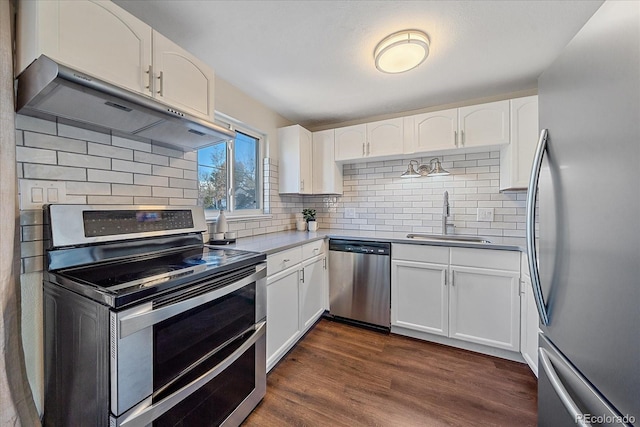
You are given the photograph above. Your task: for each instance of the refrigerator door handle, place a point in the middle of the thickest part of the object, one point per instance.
(531, 228)
(562, 393)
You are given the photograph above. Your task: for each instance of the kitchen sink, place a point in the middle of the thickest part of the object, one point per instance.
(446, 238)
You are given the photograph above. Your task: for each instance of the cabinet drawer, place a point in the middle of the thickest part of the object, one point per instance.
(283, 260)
(486, 258)
(421, 253)
(312, 249)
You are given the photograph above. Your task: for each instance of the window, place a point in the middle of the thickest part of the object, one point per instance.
(229, 175)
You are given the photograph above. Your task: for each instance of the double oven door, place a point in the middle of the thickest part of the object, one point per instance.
(192, 358)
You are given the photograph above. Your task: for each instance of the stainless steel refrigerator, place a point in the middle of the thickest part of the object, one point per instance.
(588, 250)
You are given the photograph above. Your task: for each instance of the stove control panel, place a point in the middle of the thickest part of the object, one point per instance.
(115, 222)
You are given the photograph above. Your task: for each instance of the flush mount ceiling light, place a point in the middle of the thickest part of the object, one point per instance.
(434, 168)
(401, 51)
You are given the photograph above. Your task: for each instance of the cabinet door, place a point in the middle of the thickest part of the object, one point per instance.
(385, 137)
(419, 296)
(517, 157)
(98, 38)
(351, 142)
(282, 314)
(181, 79)
(312, 292)
(295, 151)
(435, 131)
(327, 174)
(483, 124)
(485, 307)
(529, 323)
(306, 167)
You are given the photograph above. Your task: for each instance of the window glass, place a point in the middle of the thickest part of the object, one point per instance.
(245, 172)
(212, 176)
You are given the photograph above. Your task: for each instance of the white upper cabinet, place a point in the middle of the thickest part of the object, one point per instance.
(106, 42)
(351, 142)
(434, 131)
(385, 137)
(98, 38)
(483, 124)
(327, 174)
(370, 140)
(182, 80)
(516, 158)
(294, 147)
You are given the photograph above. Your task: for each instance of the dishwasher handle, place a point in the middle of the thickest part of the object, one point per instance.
(360, 247)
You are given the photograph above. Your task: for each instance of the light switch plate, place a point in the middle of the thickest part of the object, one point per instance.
(34, 194)
(485, 214)
(349, 212)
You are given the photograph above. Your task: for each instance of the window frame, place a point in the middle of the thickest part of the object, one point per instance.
(231, 212)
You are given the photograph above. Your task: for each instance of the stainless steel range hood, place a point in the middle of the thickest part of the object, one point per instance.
(52, 91)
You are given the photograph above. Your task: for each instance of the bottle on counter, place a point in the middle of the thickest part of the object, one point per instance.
(221, 223)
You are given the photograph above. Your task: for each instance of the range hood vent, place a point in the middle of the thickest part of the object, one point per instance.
(52, 91)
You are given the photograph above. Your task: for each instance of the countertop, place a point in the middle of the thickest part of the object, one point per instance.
(275, 242)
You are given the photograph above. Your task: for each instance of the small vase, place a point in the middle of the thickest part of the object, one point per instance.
(301, 225)
(313, 225)
(221, 223)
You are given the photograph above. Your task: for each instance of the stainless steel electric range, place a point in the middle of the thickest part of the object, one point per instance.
(146, 325)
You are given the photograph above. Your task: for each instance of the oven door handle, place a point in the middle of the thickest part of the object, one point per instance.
(135, 322)
(144, 415)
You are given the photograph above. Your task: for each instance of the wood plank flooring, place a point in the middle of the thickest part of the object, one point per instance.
(340, 375)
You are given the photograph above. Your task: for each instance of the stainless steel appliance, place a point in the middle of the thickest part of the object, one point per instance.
(587, 285)
(52, 91)
(145, 325)
(360, 282)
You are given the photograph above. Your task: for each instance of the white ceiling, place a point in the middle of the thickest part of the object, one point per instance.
(312, 61)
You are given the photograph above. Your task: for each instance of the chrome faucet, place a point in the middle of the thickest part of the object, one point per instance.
(445, 212)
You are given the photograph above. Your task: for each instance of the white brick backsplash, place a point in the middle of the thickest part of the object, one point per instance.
(194, 175)
(193, 156)
(130, 190)
(72, 159)
(109, 151)
(130, 143)
(158, 181)
(109, 200)
(36, 155)
(167, 192)
(95, 175)
(33, 248)
(84, 134)
(127, 166)
(59, 173)
(32, 232)
(35, 124)
(84, 188)
(166, 151)
(182, 164)
(183, 183)
(162, 201)
(155, 159)
(182, 202)
(19, 138)
(52, 142)
(167, 171)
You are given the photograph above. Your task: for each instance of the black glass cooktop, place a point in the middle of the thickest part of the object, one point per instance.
(148, 271)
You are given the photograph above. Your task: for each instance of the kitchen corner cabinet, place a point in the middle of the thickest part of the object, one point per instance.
(371, 140)
(295, 150)
(529, 320)
(327, 174)
(483, 124)
(516, 158)
(297, 288)
(105, 41)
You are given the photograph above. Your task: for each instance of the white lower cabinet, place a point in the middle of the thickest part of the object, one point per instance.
(419, 296)
(529, 322)
(296, 296)
(484, 307)
(448, 292)
(283, 325)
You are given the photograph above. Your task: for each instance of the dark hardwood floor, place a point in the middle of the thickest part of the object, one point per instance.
(340, 375)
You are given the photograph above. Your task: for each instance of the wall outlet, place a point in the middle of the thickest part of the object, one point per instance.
(485, 214)
(34, 194)
(349, 212)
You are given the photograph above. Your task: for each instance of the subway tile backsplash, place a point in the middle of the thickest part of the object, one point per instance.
(385, 202)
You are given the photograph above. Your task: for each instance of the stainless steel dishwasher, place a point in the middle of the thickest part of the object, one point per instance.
(360, 282)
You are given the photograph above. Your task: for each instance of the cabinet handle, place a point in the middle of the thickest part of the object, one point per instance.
(302, 185)
(452, 276)
(161, 78)
(325, 262)
(285, 260)
(445, 278)
(302, 271)
(150, 78)
(368, 148)
(462, 138)
(455, 138)
(363, 150)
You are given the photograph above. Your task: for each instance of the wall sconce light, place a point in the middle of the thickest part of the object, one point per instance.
(434, 168)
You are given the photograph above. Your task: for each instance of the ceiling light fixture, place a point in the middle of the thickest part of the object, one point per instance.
(401, 51)
(434, 168)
